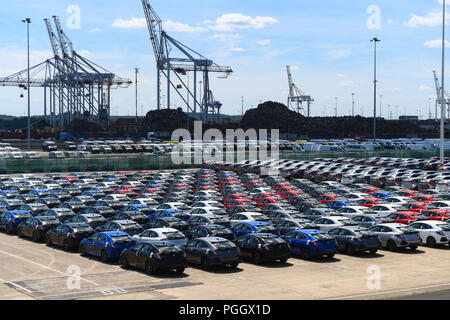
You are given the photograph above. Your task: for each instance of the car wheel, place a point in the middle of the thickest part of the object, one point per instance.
(35, 237)
(413, 248)
(234, 265)
(391, 246)
(205, 264)
(104, 256)
(149, 268)
(83, 251)
(330, 255)
(283, 261)
(373, 251)
(8, 229)
(257, 258)
(180, 270)
(349, 249)
(431, 242)
(48, 241)
(123, 261)
(305, 254)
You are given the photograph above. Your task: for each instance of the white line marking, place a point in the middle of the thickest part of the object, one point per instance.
(47, 267)
(388, 292)
(16, 285)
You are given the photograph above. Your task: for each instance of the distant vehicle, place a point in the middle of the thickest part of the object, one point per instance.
(212, 251)
(48, 146)
(310, 243)
(70, 146)
(154, 257)
(106, 245)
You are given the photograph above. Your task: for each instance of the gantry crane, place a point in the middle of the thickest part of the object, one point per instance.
(297, 97)
(77, 87)
(439, 96)
(205, 108)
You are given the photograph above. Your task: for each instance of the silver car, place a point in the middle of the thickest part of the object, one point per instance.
(395, 235)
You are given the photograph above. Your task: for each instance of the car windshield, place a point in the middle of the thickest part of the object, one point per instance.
(168, 249)
(407, 229)
(322, 237)
(444, 226)
(82, 229)
(173, 235)
(268, 228)
(270, 239)
(96, 219)
(223, 245)
(21, 215)
(130, 226)
(50, 222)
(122, 239)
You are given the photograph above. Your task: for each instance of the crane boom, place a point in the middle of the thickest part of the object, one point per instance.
(155, 27)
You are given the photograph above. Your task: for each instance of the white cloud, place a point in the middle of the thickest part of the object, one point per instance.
(295, 68)
(133, 23)
(339, 53)
(95, 30)
(436, 44)
(226, 37)
(264, 42)
(424, 88)
(237, 49)
(348, 83)
(432, 19)
(172, 26)
(231, 21)
(169, 25)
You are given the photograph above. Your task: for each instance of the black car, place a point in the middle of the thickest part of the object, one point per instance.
(74, 206)
(171, 222)
(129, 226)
(354, 239)
(49, 201)
(105, 211)
(36, 228)
(211, 230)
(91, 219)
(154, 257)
(138, 217)
(69, 235)
(34, 209)
(262, 247)
(202, 220)
(212, 251)
(286, 226)
(62, 214)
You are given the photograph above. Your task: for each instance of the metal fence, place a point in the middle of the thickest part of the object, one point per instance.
(161, 162)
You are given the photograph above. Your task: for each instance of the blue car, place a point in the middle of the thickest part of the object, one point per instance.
(337, 204)
(10, 220)
(311, 243)
(41, 193)
(169, 213)
(243, 228)
(106, 245)
(96, 194)
(9, 194)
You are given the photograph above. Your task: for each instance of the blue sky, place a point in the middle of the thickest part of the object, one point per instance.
(326, 43)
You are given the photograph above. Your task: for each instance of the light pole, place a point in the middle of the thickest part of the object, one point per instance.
(429, 109)
(28, 21)
(375, 40)
(336, 108)
(137, 119)
(389, 115)
(381, 97)
(353, 105)
(242, 106)
(443, 88)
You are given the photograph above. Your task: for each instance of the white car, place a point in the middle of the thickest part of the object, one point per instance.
(166, 235)
(351, 211)
(327, 223)
(396, 200)
(208, 211)
(248, 217)
(440, 205)
(173, 206)
(382, 210)
(433, 233)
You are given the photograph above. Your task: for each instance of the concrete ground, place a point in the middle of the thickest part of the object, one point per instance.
(30, 270)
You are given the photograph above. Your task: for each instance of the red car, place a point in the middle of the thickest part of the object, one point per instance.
(71, 179)
(264, 195)
(328, 197)
(436, 214)
(407, 193)
(370, 190)
(369, 203)
(238, 202)
(414, 207)
(264, 202)
(403, 217)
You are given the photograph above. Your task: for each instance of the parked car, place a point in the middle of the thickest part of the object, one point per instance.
(263, 247)
(354, 239)
(311, 243)
(212, 251)
(106, 245)
(69, 235)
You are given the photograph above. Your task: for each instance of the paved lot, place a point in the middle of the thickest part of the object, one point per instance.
(35, 271)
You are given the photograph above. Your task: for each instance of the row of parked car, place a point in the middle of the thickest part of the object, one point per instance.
(214, 216)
